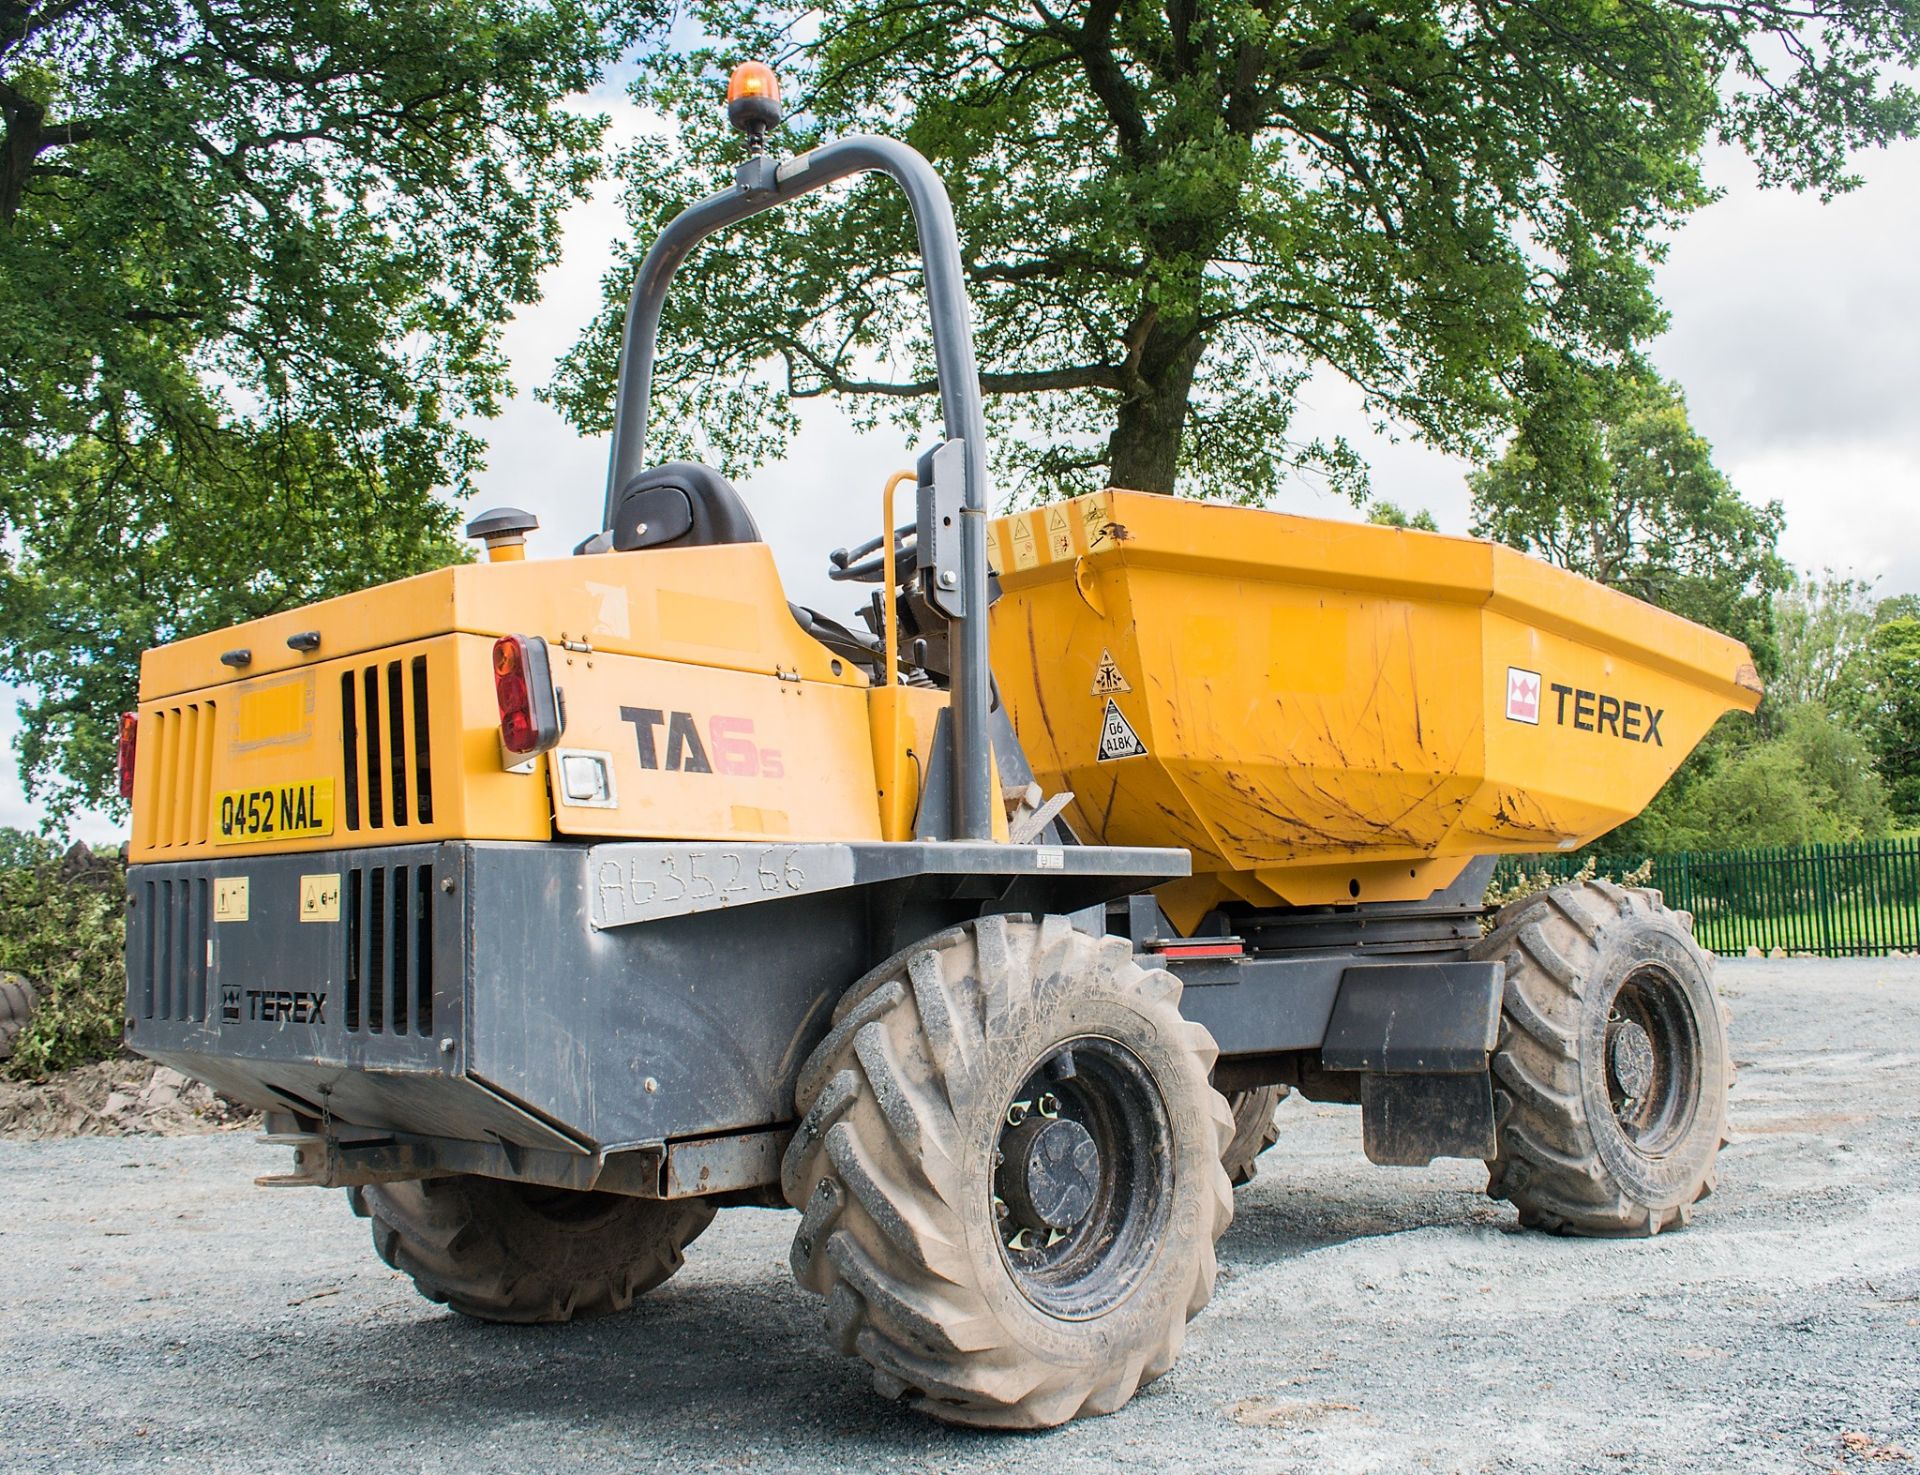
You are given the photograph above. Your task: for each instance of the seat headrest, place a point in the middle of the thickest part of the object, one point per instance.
(681, 504)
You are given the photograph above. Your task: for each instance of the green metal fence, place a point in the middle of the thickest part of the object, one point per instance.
(1833, 900)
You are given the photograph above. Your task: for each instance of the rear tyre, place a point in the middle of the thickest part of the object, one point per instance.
(518, 1252)
(16, 1010)
(1611, 1077)
(1254, 1131)
(1009, 1172)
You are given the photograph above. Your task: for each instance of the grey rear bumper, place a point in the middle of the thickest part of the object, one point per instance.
(568, 998)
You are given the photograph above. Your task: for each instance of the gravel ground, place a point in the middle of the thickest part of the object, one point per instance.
(160, 1312)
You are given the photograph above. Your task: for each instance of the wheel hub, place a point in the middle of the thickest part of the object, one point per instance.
(1050, 1173)
(1630, 1059)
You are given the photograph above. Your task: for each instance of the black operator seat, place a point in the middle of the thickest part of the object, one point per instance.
(681, 504)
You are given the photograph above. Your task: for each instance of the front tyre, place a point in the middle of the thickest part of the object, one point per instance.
(520, 1252)
(1611, 1077)
(1009, 1174)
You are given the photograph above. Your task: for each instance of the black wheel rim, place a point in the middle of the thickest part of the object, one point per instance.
(1651, 1056)
(1083, 1178)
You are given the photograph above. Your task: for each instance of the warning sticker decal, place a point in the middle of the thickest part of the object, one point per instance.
(1107, 679)
(1059, 532)
(1117, 740)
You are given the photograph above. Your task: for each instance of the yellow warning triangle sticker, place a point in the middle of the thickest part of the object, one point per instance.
(1107, 679)
(1117, 739)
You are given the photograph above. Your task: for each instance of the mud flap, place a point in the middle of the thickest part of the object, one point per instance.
(1409, 1120)
(1421, 1033)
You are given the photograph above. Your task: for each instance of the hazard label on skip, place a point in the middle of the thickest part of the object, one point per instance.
(1107, 679)
(1117, 739)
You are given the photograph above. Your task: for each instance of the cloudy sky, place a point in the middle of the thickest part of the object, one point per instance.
(1795, 333)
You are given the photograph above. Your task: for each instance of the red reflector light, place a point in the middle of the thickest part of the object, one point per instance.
(1213, 948)
(523, 689)
(129, 744)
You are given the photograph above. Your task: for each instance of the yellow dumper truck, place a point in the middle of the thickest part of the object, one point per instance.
(547, 907)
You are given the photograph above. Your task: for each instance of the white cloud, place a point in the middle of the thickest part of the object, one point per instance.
(1796, 336)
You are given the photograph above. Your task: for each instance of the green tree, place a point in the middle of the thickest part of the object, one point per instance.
(1897, 607)
(1172, 214)
(1891, 710)
(65, 931)
(255, 256)
(1813, 784)
(1643, 509)
(1821, 629)
(23, 850)
(1393, 515)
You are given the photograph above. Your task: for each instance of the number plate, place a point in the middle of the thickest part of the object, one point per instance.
(275, 812)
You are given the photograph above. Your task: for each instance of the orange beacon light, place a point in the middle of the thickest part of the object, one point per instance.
(753, 98)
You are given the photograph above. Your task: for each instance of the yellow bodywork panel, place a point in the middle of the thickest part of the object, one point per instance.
(903, 719)
(387, 731)
(701, 753)
(701, 606)
(383, 748)
(1327, 712)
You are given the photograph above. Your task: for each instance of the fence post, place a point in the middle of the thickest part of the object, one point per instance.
(1823, 892)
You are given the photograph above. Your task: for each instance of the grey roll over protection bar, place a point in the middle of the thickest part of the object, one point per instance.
(763, 183)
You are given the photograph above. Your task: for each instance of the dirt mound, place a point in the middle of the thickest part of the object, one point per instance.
(117, 1098)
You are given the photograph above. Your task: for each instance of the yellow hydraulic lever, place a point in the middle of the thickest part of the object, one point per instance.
(890, 633)
(899, 790)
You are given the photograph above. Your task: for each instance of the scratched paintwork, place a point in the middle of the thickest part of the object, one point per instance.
(1325, 705)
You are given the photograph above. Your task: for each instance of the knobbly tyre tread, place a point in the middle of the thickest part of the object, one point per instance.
(17, 998)
(900, 1108)
(483, 1248)
(1563, 949)
(1255, 1129)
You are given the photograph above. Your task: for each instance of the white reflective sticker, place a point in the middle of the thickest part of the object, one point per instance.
(1117, 739)
(1049, 858)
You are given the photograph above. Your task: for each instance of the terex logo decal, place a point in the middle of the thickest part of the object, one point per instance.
(272, 1005)
(1597, 711)
(733, 749)
(1523, 696)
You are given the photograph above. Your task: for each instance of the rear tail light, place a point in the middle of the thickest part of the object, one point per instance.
(523, 686)
(129, 741)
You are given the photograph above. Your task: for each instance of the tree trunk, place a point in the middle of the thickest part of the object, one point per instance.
(19, 147)
(1143, 453)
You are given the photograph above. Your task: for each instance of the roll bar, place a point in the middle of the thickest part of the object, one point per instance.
(762, 184)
